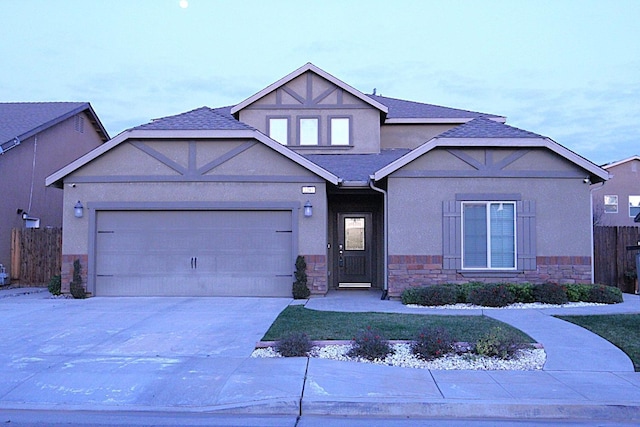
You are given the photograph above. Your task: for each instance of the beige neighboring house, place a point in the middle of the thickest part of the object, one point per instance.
(36, 139)
(375, 192)
(617, 201)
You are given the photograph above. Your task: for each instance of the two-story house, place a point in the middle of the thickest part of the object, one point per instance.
(374, 192)
(617, 201)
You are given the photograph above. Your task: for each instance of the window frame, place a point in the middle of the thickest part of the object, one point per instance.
(487, 204)
(286, 119)
(605, 204)
(349, 136)
(317, 130)
(635, 207)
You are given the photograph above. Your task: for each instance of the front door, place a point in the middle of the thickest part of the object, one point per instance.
(355, 250)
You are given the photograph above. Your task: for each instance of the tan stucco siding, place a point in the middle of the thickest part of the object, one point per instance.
(408, 135)
(624, 182)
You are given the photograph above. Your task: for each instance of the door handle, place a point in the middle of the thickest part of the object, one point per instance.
(192, 263)
(195, 262)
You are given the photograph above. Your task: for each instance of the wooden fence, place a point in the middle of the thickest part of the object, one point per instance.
(36, 255)
(614, 264)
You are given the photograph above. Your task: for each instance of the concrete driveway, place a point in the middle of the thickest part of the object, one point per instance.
(135, 352)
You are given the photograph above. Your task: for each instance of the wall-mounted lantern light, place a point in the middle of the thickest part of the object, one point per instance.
(78, 210)
(308, 209)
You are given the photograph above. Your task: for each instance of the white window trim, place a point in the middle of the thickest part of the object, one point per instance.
(487, 204)
(610, 204)
(317, 139)
(349, 136)
(630, 205)
(286, 120)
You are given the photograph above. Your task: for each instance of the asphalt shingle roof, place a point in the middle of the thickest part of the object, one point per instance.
(21, 119)
(356, 167)
(486, 128)
(203, 118)
(401, 109)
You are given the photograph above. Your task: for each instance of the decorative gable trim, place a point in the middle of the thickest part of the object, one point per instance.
(309, 67)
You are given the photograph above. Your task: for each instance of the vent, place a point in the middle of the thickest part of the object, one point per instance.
(79, 123)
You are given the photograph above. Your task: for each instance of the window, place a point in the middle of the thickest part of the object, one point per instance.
(340, 131)
(634, 206)
(279, 130)
(308, 131)
(610, 204)
(488, 235)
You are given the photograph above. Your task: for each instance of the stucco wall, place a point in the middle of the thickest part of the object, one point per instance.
(624, 182)
(409, 135)
(20, 182)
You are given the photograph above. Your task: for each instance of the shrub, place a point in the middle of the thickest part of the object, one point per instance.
(431, 343)
(296, 344)
(465, 289)
(550, 293)
(491, 295)
(605, 294)
(577, 292)
(55, 285)
(300, 288)
(522, 292)
(77, 289)
(369, 344)
(431, 295)
(499, 342)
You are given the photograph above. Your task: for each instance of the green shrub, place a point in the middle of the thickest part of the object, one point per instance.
(369, 344)
(491, 295)
(77, 289)
(300, 288)
(55, 285)
(464, 289)
(605, 294)
(296, 344)
(431, 343)
(577, 292)
(522, 292)
(499, 342)
(432, 295)
(410, 296)
(550, 293)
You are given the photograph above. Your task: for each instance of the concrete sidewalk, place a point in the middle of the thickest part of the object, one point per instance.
(190, 354)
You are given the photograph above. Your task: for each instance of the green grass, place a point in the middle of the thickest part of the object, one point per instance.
(622, 330)
(333, 325)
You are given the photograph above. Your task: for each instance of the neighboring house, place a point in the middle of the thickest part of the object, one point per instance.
(617, 201)
(37, 139)
(374, 192)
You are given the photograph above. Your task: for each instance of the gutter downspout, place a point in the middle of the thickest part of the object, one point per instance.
(385, 288)
(593, 261)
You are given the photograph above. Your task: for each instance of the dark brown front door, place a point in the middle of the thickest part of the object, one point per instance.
(355, 250)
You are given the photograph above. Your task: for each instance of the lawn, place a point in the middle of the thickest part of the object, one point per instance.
(333, 325)
(622, 330)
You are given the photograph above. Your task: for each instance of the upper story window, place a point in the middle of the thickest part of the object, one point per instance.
(340, 130)
(488, 235)
(634, 206)
(279, 129)
(308, 129)
(610, 204)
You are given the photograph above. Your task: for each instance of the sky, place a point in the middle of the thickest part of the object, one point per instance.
(569, 70)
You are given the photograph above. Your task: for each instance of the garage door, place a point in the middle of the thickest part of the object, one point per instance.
(186, 253)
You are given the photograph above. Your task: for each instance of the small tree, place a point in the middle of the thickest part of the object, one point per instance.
(300, 289)
(77, 290)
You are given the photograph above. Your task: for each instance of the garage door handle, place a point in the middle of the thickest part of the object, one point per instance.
(195, 262)
(192, 263)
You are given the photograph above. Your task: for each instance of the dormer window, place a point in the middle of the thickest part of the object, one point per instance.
(279, 129)
(340, 130)
(308, 131)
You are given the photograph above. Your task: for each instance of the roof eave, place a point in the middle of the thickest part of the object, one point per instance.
(435, 120)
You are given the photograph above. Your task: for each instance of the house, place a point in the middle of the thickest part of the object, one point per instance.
(374, 192)
(617, 202)
(37, 139)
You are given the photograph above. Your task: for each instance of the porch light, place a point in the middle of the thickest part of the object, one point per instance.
(308, 209)
(78, 210)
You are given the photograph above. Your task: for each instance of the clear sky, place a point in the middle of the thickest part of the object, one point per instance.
(569, 70)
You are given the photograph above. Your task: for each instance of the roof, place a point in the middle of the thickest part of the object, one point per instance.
(356, 167)
(203, 118)
(309, 67)
(401, 109)
(484, 128)
(619, 162)
(22, 120)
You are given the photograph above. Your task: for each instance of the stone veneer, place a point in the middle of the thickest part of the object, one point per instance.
(406, 271)
(317, 274)
(66, 275)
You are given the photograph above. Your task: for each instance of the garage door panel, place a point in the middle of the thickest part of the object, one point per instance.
(180, 253)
